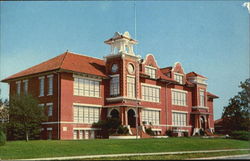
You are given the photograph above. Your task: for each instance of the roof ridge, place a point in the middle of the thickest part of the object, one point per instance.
(84, 55)
(167, 67)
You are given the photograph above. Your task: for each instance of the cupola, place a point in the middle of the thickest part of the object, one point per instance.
(121, 43)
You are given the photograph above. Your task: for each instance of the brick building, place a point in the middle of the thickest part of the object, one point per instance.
(79, 90)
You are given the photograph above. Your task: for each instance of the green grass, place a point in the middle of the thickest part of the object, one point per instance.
(174, 157)
(54, 148)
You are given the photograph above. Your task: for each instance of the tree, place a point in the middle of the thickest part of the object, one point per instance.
(4, 114)
(25, 117)
(236, 115)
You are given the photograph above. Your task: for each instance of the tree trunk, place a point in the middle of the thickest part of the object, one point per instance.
(27, 135)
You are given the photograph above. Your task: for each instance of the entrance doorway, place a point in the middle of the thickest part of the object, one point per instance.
(203, 124)
(114, 114)
(131, 118)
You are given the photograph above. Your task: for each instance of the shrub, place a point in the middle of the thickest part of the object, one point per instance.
(2, 138)
(149, 131)
(122, 130)
(202, 132)
(169, 133)
(240, 135)
(185, 134)
(110, 125)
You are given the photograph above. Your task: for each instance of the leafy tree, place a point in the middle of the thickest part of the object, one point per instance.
(4, 114)
(25, 117)
(236, 115)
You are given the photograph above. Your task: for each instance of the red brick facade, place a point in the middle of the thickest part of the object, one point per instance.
(192, 109)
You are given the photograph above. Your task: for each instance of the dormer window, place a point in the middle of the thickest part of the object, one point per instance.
(151, 71)
(178, 77)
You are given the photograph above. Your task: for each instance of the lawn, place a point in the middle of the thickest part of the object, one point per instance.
(54, 148)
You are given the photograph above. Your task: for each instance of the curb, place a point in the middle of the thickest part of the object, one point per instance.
(132, 154)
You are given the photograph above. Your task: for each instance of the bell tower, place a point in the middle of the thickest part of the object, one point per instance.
(122, 65)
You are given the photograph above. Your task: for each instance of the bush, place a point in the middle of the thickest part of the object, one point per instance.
(122, 130)
(169, 133)
(185, 134)
(110, 125)
(2, 138)
(240, 135)
(202, 132)
(149, 132)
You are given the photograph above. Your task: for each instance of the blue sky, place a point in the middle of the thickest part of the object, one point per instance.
(208, 37)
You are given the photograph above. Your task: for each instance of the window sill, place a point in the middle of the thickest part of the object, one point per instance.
(150, 101)
(88, 96)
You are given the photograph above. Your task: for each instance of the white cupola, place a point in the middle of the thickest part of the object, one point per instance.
(121, 43)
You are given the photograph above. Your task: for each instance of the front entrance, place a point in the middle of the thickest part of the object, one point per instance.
(114, 114)
(203, 123)
(131, 118)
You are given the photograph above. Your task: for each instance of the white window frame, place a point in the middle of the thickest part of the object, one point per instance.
(41, 86)
(18, 87)
(179, 118)
(179, 97)
(131, 86)
(50, 109)
(202, 97)
(88, 87)
(151, 71)
(179, 77)
(150, 93)
(86, 114)
(50, 84)
(115, 85)
(25, 86)
(151, 116)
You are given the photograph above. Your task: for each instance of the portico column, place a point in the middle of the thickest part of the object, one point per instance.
(126, 115)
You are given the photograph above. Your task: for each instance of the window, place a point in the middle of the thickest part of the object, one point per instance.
(50, 109)
(75, 135)
(151, 71)
(179, 97)
(179, 119)
(114, 86)
(83, 114)
(178, 77)
(151, 117)
(202, 98)
(86, 87)
(41, 86)
(18, 87)
(50, 84)
(25, 86)
(151, 93)
(131, 87)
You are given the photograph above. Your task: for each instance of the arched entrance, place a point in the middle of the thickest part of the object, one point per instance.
(203, 124)
(114, 114)
(131, 118)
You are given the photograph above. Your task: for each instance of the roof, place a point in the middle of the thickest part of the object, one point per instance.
(218, 121)
(166, 70)
(67, 61)
(212, 95)
(193, 74)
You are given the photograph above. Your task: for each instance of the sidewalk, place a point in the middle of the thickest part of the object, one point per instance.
(228, 157)
(132, 154)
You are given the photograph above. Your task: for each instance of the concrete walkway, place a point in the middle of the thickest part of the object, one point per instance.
(133, 154)
(228, 157)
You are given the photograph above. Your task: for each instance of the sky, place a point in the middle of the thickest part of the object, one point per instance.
(208, 37)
